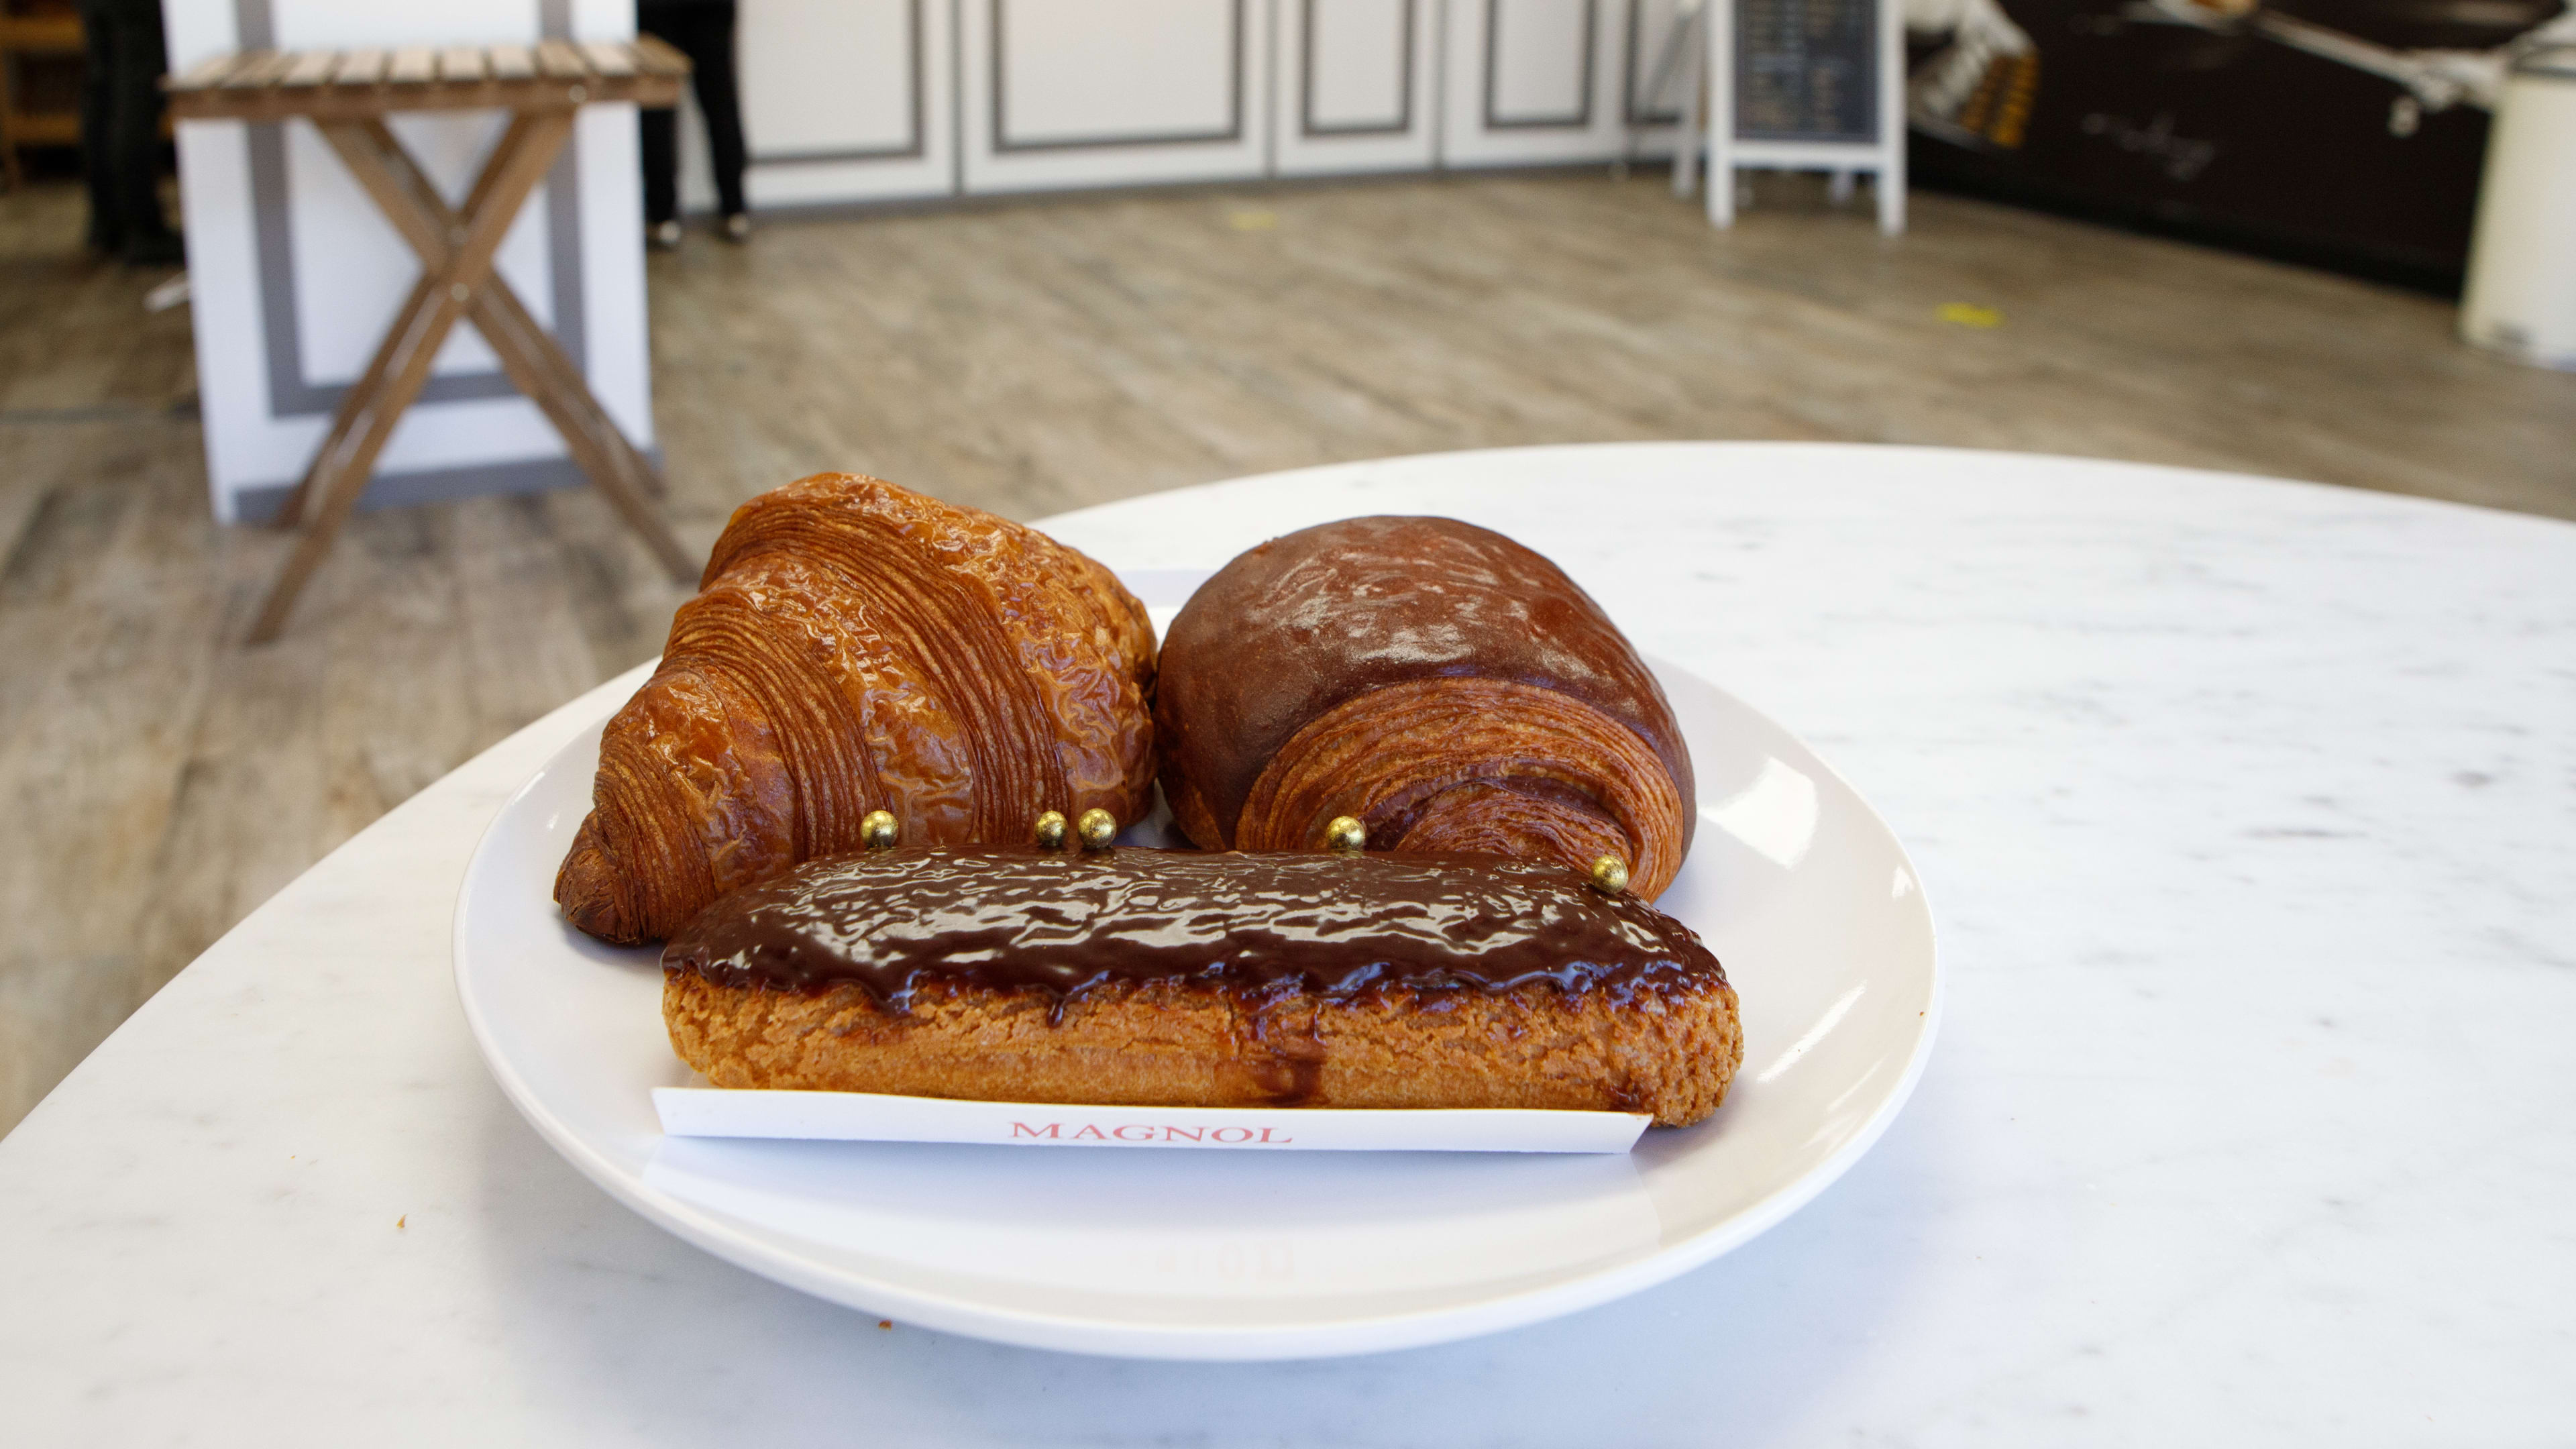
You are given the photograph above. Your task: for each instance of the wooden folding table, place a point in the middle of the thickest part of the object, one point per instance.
(347, 95)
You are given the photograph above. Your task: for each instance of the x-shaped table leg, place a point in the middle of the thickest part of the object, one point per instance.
(458, 279)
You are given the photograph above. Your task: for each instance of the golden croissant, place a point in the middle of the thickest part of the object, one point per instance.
(1451, 690)
(856, 647)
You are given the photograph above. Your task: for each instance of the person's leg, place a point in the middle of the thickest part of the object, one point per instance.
(720, 100)
(136, 135)
(660, 129)
(661, 142)
(98, 120)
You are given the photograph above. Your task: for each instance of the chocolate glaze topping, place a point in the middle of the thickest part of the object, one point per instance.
(892, 920)
(1291, 629)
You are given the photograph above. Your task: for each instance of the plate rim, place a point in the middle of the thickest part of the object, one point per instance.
(1074, 1333)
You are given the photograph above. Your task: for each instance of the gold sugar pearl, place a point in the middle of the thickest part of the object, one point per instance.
(1099, 829)
(1051, 830)
(1610, 874)
(879, 830)
(1345, 836)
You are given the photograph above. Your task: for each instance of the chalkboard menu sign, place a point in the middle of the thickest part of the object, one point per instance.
(1806, 70)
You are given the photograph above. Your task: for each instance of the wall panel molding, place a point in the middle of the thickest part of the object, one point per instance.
(1580, 117)
(917, 137)
(1005, 142)
(1637, 64)
(1307, 125)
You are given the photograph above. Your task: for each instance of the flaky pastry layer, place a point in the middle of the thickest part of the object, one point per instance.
(856, 647)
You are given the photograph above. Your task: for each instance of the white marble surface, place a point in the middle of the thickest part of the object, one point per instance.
(2249, 814)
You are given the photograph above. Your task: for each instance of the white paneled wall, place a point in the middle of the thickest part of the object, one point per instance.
(863, 56)
(1532, 81)
(860, 100)
(842, 100)
(1355, 88)
(1647, 29)
(1085, 93)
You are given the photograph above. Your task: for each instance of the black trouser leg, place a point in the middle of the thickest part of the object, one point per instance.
(135, 133)
(98, 122)
(661, 144)
(659, 136)
(720, 99)
(703, 33)
(121, 121)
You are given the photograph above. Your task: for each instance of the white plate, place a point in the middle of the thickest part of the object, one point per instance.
(1797, 885)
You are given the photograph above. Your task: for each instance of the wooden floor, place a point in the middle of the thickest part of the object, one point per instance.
(160, 780)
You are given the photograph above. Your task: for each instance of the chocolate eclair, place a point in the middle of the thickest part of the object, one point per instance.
(1167, 978)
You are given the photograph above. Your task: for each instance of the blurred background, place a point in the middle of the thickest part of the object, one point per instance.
(1031, 263)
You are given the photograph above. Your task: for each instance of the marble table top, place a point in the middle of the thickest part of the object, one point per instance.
(2248, 812)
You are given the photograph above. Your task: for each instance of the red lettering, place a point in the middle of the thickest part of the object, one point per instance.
(1140, 1132)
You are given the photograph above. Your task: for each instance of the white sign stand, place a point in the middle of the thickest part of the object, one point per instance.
(1883, 156)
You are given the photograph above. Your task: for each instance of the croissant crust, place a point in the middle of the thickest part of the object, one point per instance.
(853, 647)
(1449, 688)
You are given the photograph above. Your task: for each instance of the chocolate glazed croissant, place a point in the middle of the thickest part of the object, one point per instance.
(1450, 689)
(856, 647)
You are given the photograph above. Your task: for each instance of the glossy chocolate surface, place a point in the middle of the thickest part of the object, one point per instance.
(892, 920)
(1291, 629)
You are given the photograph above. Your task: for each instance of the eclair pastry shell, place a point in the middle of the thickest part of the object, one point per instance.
(1670, 1052)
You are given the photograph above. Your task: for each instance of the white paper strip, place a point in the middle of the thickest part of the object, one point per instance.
(866, 1117)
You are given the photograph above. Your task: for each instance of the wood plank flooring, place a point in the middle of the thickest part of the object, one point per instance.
(161, 780)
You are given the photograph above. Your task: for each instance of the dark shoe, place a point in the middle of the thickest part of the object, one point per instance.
(162, 250)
